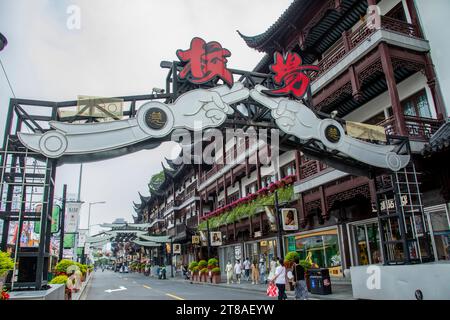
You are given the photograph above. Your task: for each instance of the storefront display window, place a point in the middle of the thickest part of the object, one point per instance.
(321, 247)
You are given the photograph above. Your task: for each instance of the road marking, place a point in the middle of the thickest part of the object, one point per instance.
(173, 296)
(146, 287)
(120, 289)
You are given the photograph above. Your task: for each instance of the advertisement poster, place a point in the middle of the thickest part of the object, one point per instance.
(289, 219)
(28, 237)
(216, 238)
(55, 219)
(69, 240)
(176, 248)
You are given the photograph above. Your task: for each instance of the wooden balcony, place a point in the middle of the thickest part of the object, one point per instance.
(352, 39)
(417, 128)
(181, 198)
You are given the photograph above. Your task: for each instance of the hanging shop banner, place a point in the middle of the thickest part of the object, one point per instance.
(203, 238)
(270, 213)
(69, 240)
(176, 248)
(195, 240)
(72, 216)
(216, 238)
(289, 219)
(82, 236)
(56, 216)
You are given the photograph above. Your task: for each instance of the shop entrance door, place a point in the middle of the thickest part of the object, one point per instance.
(439, 222)
(367, 245)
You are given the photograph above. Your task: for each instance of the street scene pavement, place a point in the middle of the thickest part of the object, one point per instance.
(109, 285)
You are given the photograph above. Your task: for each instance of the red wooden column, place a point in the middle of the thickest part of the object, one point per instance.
(388, 71)
(297, 165)
(323, 203)
(301, 205)
(225, 187)
(354, 80)
(200, 209)
(247, 165)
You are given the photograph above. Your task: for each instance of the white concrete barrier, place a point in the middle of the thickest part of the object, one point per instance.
(428, 281)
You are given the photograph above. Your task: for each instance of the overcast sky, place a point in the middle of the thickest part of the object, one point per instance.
(116, 52)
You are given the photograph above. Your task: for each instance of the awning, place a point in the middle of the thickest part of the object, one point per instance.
(147, 243)
(158, 239)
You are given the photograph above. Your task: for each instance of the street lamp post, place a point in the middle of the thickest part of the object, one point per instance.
(89, 214)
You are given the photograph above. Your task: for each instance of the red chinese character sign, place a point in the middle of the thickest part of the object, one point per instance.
(289, 74)
(204, 62)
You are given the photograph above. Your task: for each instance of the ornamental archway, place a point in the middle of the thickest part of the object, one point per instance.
(201, 93)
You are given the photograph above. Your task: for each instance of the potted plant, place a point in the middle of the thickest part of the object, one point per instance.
(61, 267)
(63, 279)
(6, 265)
(212, 263)
(196, 274)
(191, 267)
(204, 275)
(289, 260)
(216, 278)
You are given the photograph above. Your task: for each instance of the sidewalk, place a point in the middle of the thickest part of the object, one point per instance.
(340, 290)
(77, 295)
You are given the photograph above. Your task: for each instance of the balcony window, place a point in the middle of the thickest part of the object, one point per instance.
(251, 188)
(267, 180)
(417, 105)
(288, 170)
(233, 197)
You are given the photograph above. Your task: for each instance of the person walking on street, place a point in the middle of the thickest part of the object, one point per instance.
(273, 266)
(301, 290)
(262, 272)
(238, 271)
(280, 280)
(247, 267)
(255, 272)
(229, 271)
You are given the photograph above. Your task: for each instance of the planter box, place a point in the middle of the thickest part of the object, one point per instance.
(195, 277)
(203, 277)
(216, 278)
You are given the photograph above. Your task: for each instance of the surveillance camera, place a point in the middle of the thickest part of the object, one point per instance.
(158, 90)
(3, 42)
(333, 114)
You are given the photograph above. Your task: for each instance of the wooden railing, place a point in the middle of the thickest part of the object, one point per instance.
(351, 40)
(417, 128)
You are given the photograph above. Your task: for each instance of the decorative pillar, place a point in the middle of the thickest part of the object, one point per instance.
(258, 170)
(225, 188)
(434, 87)
(388, 71)
(301, 206)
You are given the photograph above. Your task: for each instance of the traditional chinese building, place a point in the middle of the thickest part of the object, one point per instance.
(376, 69)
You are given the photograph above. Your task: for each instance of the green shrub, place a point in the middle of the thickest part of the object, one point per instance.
(216, 270)
(59, 280)
(213, 262)
(62, 266)
(290, 256)
(192, 265)
(195, 269)
(6, 263)
(305, 264)
(204, 270)
(202, 264)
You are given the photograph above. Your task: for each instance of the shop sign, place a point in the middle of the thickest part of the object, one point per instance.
(72, 216)
(291, 244)
(237, 253)
(195, 240)
(258, 234)
(390, 203)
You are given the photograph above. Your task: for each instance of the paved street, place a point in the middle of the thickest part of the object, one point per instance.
(139, 287)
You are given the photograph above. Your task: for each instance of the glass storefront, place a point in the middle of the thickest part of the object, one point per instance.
(439, 221)
(322, 248)
(367, 244)
(263, 249)
(229, 253)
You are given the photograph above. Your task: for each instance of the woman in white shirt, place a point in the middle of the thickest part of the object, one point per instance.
(280, 280)
(238, 271)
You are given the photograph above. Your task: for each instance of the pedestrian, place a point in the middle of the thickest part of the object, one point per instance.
(262, 271)
(238, 271)
(280, 280)
(301, 290)
(255, 272)
(229, 271)
(273, 266)
(247, 267)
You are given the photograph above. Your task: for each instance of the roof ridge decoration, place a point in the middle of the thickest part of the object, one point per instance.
(259, 41)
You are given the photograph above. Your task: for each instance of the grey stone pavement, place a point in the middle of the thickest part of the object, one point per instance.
(109, 285)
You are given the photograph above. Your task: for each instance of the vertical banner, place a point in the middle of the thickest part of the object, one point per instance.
(72, 217)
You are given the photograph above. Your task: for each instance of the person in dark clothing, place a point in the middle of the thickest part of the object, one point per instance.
(301, 290)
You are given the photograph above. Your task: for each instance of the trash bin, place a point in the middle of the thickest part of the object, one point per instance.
(320, 282)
